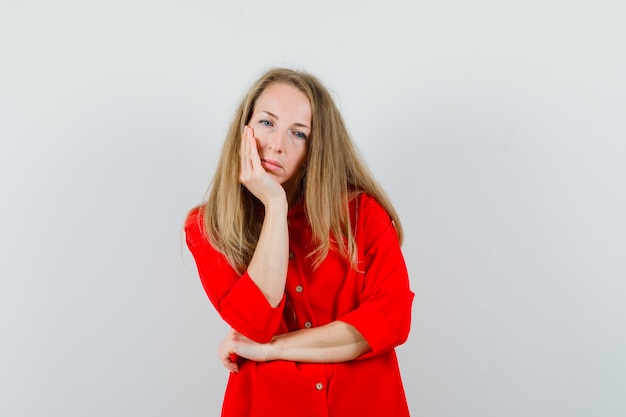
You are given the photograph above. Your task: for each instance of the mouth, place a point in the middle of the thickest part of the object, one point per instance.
(270, 165)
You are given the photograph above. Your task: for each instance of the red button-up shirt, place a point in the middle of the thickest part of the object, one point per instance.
(376, 300)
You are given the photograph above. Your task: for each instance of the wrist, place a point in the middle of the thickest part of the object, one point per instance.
(275, 347)
(277, 204)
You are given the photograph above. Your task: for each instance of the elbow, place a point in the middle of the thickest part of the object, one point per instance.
(362, 348)
(403, 330)
(359, 347)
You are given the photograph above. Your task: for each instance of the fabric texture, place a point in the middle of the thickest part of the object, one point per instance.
(376, 299)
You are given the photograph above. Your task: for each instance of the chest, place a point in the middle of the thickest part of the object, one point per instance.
(318, 295)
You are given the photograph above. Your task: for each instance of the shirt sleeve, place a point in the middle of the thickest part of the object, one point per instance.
(384, 315)
(236, 297)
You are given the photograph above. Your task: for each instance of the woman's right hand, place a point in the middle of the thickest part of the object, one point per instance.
(235, 346)
(252, 174)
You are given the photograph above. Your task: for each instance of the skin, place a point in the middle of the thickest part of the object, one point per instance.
(273, 152)
(335, 342)
(274, 143)
(272, 155)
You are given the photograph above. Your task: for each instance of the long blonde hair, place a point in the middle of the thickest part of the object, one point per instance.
(334, 175)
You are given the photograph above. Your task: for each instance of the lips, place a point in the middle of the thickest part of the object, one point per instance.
(270, 165)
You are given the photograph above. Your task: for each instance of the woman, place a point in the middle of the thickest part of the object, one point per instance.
(298, 249)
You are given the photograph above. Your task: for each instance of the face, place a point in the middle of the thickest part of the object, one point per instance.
(281, 122)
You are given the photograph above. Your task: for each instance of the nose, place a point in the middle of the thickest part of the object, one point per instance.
(276, 140)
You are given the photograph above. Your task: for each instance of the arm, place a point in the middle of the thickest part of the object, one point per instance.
(384, 316)
(252, 302)
(268, 266)
(331, 343)
(237, 298)
(334, 342)
(380, 323)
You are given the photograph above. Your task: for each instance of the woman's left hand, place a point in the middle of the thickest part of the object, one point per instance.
(235, 344)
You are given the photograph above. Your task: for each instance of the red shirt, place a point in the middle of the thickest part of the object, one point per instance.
(376, 300)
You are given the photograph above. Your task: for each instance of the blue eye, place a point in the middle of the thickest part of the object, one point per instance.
(265, 122)
(299, 135)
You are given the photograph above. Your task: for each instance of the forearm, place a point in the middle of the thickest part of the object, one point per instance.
(268, 266)
(334, 342)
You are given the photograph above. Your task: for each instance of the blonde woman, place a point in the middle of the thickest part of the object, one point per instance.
(298, 249)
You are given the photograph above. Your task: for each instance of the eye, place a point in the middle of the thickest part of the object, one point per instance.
(299, 135)
(265, 123)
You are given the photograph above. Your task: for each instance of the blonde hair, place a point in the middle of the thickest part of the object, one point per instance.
(334, 175)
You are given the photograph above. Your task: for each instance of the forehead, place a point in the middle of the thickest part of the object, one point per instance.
(284, 100)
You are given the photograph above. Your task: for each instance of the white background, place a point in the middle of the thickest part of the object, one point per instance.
(497, 127)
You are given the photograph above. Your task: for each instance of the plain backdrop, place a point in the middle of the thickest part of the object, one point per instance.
(497, 127)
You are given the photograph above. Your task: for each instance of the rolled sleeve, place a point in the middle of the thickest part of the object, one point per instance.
(381, 330)
(236, 297)
(247, 310)
(384, 315)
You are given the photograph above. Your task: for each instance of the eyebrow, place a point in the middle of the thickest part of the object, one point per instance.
(276, 117)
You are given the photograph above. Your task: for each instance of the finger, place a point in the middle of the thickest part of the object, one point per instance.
(229, 359)
(231, 363)
(246, 139)
(226, 352)
(251, 160)
(244, 153)
(255, 158)
(242, 144)
(252, 152)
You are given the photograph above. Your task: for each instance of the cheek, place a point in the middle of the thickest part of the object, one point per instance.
(260, 140)
(302, 157)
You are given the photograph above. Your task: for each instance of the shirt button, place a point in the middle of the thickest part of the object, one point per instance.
(319, 386)
(307, 324)
(290, 255)
(299, 288)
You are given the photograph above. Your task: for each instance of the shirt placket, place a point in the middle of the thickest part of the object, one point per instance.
(300, 315)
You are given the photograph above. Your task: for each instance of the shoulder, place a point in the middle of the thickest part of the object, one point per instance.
(366, 206)
(373, 227)
(194, 226)
(193, 217)
(369, 217)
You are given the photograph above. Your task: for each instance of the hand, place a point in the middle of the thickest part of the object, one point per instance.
(252, 174)
(237, 345)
